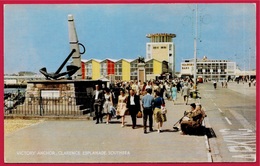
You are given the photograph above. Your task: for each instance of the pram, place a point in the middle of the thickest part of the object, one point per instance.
(195, 95)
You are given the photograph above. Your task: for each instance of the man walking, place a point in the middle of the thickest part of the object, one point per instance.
(133, 105)
(98, 98)
(147, 103)
(185, 92)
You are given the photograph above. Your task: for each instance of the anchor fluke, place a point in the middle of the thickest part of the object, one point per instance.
(71, 69)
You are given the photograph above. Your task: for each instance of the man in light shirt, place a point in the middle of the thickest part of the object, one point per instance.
(147, 103)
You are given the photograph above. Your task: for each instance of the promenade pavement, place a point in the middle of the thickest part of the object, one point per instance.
(83, 141)
(242, 88)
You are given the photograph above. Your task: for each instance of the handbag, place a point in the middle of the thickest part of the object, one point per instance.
(112, 110)
(139, 114)
(163, 108)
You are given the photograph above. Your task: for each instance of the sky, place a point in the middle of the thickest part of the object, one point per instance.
(36, 36)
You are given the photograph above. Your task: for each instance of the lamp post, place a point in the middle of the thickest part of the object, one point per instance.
(249, 76)
(244, 78)
(195, 48)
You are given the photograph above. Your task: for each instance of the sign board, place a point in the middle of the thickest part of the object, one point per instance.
(50, 93)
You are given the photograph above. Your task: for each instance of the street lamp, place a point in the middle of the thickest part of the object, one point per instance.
(249, 76)
(195, 48)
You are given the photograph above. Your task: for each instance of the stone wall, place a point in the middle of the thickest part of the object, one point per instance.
(60, 97)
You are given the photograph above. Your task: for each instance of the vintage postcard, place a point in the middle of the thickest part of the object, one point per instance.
(130, 83)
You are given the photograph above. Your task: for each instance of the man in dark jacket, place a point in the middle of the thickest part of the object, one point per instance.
(133, 105)
(98, 98)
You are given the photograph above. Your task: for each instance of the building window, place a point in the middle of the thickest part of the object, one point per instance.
(118, 77)
(170, 47)
(134, 65)
(118, 69)
(149, 68)
(133, 77)
(148, 47)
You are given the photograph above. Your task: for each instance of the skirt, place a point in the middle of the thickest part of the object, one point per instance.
(107, 106)
(158, 116)
(174, 96)
(121, 109)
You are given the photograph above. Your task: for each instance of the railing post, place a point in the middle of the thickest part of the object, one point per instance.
(41, 107)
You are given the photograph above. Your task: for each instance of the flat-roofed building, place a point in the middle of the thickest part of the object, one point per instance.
(162, 48)
(211, 69)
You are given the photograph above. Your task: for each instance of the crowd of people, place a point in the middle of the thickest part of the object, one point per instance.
(130, 98)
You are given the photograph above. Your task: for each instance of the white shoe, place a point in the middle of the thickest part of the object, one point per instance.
(107, 123)
(122, 125)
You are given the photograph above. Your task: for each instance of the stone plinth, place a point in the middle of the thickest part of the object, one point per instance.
(141, 72)
(58, 97)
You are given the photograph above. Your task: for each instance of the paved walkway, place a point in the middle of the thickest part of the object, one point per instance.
(243, 88)
(82, 141)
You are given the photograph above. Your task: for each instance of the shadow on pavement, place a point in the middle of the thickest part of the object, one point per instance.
(210, 133)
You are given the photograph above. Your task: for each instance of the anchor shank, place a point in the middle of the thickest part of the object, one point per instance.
(66, 60)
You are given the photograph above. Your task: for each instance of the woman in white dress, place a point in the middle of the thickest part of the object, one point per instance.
(121, 106)
(107, 105)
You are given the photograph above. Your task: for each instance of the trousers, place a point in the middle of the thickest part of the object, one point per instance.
(148, 113)
(98, 112)
(133, 112)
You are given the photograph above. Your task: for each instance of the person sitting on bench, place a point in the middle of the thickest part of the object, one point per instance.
(192, 121)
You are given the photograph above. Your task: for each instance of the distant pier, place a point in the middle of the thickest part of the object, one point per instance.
(20, 81)
(15, 85)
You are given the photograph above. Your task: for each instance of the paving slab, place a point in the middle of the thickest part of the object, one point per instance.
(83, 141)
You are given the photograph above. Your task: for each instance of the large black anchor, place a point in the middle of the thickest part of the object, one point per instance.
(71, 69)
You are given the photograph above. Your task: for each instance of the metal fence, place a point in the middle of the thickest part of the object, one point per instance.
(78, 105)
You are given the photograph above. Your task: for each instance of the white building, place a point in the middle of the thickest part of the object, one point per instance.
(210, 69)
(162, 48)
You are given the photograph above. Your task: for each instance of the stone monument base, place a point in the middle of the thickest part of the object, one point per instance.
(58, 97)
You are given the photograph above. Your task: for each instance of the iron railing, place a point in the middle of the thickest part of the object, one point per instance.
(78, 105)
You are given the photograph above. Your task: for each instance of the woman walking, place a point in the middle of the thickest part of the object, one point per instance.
(158, 115)
(121, 106)
(168, 91)
(174, 93)
(108, 104)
